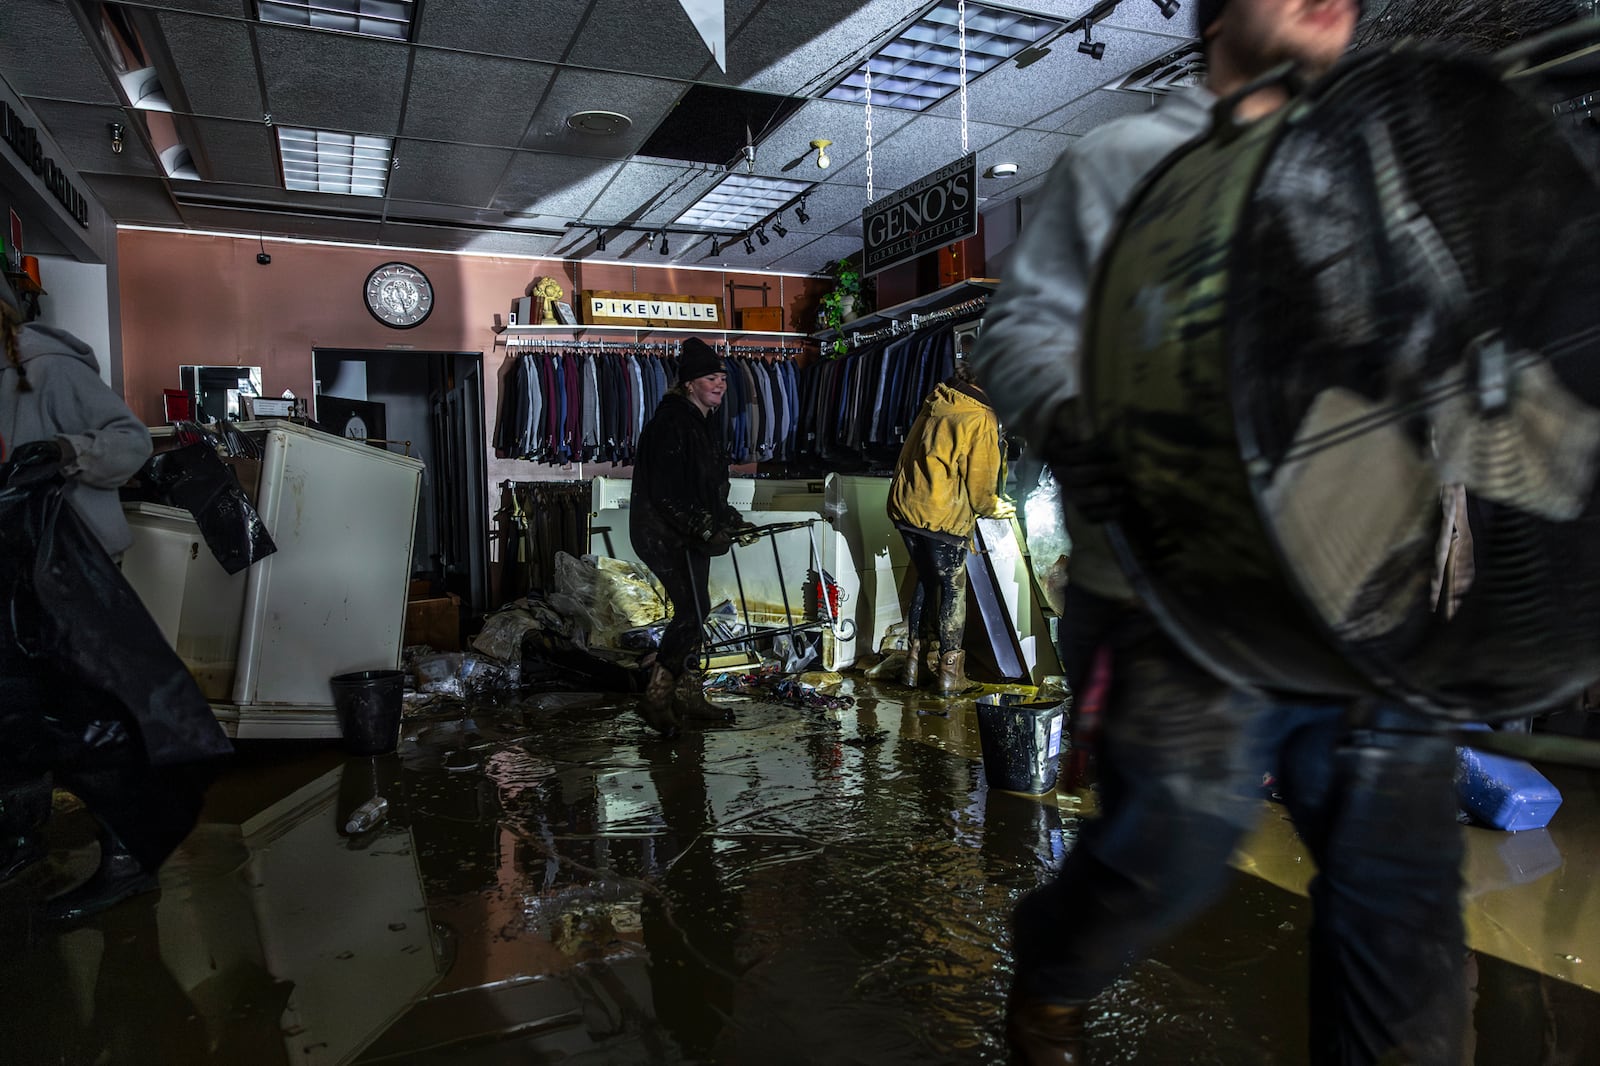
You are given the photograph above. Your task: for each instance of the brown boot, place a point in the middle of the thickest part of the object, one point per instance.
(655, 706)
(689, 698)
(1047, 1034)
(952, 679)
(909, 673)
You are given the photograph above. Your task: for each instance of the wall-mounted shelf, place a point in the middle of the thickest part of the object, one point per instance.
(948, 296)
(536, 331)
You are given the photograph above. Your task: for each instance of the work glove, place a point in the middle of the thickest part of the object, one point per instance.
(1004, 509)
(746, 533)
(1091, 478)
(35, 462)
(718, 543)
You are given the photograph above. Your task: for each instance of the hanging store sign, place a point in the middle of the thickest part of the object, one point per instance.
(603, 308)
(937, 210)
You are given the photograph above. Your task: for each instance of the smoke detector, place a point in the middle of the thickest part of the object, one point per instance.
(599, 123)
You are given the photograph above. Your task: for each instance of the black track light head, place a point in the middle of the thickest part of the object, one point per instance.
(761, 235)
(800, 212)
(665, 250)
(716, 247)
(1169, 8)
(1092, 49)
(749, 246)
(599, 239)
(779, 228)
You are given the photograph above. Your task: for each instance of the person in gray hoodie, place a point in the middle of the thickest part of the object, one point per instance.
(52, 399)
(57, 415)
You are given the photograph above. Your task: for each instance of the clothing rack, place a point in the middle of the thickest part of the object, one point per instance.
(650, 347)
(966, 309)
(536, 520)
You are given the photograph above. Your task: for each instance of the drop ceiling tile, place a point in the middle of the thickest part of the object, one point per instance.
(917, 150)
(217, 64)
(82, 131)
(645, 101)
(653, 192)
(244, 153)
(434, 104)
(658, 39)
(280, 224)
(561, 187)
(811, 258)
(43, 53)
(1098, 108)
(332, 81)
(829, 205)
(802, 48)
(233, 8)
(1014, 97)
(447, 238)
(1034, 152)
(1145, 15)
(787, 152)
(447, 173)
(142, 200)
(543, 32)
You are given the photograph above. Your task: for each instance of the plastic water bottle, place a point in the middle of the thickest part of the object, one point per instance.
(367, 816)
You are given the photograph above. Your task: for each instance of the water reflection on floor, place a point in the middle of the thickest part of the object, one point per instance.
(556, 884)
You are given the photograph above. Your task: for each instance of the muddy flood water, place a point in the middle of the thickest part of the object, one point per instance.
(552, 883)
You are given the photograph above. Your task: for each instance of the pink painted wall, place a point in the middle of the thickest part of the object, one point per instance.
(205, 300)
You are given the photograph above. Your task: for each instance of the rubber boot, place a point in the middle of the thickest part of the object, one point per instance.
(24, 809)
(952, 679)
(118, 877)
(655, 706)
(1046, 1034)
(689, 698)
(909, 674)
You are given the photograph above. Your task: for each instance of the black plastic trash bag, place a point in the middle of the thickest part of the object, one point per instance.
(196, 479)
(75, 628)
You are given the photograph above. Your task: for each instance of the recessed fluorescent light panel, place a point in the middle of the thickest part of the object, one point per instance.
(370, 18)
(923, 65)
(325, 161)
(740, 201)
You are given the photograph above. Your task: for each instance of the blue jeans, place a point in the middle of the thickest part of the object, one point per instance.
(1181, 767)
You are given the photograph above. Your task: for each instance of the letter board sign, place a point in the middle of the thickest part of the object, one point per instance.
(603, 308)
(934, 211)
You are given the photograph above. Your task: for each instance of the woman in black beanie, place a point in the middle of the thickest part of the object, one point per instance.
(678, 519)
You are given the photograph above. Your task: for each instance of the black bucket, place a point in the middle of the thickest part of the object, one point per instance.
(369, 703)
(1021, 740)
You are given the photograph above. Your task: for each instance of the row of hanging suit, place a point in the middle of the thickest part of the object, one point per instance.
(567, 405)
(855, 411)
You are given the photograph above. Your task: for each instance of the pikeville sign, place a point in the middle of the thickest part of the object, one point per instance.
(939, 209)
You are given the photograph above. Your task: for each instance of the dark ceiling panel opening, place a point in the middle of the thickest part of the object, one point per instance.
(712, 124)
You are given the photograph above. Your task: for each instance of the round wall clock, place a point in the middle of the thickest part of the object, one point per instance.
(399, 295)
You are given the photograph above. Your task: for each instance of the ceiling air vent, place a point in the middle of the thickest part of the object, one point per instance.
(1172, 73)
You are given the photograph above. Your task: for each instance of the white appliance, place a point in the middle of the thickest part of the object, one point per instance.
(332, 599)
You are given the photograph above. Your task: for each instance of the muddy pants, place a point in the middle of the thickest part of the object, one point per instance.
(684, 573)
(941, 571)
(1181, 766)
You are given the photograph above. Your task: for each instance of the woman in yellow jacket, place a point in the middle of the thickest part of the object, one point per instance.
(947, 477)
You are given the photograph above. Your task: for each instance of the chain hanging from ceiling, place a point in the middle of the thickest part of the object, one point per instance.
(961, 22)
(869, 131)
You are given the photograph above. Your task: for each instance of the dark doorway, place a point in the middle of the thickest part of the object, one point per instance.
(429, 404)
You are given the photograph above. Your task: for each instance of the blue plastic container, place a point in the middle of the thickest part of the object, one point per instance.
(1502, 792)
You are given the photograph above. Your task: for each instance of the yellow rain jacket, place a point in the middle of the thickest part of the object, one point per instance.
(949, 471)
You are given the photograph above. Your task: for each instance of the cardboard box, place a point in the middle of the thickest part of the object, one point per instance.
(761, 319)
(435, 622)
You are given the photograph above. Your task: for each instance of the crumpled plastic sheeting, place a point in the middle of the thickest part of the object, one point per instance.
(606, 596)
(1049, 543)
(769, 686)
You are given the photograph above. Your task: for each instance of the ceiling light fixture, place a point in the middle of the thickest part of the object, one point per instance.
(665, 250)
(716, 246)
(116, 138)
(599, 239)
(749, 248)
(779, 228)
(761, 235)
(1092, 49)
(823, 162)
(1003, 170)
(800, 212)
(1168, 8)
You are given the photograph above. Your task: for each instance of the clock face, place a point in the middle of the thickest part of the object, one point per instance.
(399, 295)
(356, 428)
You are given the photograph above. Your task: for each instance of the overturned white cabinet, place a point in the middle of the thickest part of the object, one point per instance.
(330, 600)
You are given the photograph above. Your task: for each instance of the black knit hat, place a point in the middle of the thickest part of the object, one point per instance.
(697, 359)
(1207, 12)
